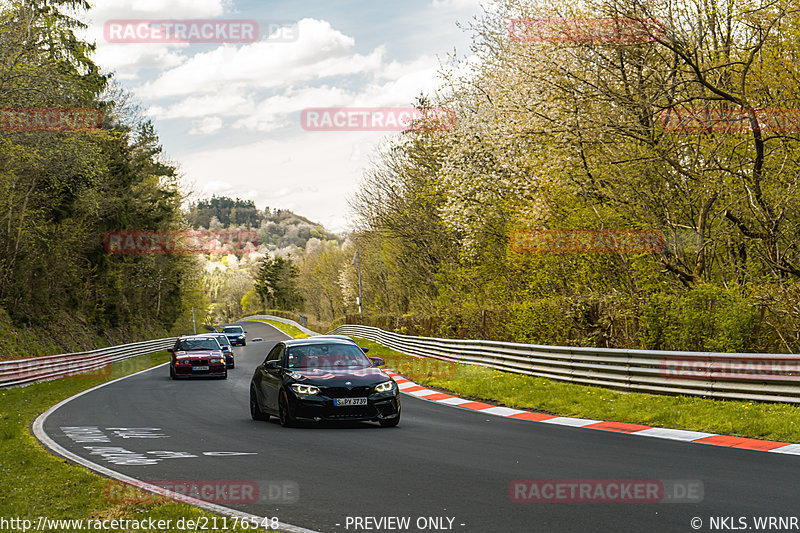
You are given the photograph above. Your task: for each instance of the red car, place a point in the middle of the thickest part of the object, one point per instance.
(197, 355)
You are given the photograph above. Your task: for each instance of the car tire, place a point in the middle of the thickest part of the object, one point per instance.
(244, 343)
(171, 372)
(390, 423)
(287, 420)
(233, 364)
(255, 411)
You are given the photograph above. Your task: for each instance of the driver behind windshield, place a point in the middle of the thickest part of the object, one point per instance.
(189, 345)
(326, 357)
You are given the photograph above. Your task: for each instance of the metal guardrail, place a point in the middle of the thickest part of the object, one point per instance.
(763, 377)
(20, 372)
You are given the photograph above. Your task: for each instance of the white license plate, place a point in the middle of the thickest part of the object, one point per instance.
(199, 368)
(343, 402)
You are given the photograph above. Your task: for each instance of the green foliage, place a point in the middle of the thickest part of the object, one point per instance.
(60, 192)
(275, 283)
(566, 135)
(706, 319)
(545, 321)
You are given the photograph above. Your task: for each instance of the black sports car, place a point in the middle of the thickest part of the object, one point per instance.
(323, 378)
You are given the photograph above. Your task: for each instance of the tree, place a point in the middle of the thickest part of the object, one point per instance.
(275, 283)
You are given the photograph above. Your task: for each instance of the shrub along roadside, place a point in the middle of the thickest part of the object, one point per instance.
(37, 483)
(769, 421)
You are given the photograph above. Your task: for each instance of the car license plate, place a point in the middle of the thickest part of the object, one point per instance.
(199, 368)
(342, 402)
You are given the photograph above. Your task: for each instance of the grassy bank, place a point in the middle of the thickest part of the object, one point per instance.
(66, 333)
(36, 483)
(770, 421)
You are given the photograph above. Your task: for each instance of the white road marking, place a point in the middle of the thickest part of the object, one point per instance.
(568, 421)
(228, 454)
(44, 438)
(673, 434)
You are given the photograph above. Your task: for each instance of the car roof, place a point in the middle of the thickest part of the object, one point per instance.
(233, 326)
(320, 339)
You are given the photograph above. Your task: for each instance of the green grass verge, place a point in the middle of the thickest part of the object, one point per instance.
(36, 483)
(292, 331)
(770, 421)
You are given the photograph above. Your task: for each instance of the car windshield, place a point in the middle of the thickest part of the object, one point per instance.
(222, 340)
(233, 329)
(189, 345)
(326, 357)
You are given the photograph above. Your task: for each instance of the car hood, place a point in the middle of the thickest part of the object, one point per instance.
(198, 353)
(337, 378)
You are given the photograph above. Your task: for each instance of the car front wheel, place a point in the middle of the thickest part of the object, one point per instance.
(287, 420)
(390, 423)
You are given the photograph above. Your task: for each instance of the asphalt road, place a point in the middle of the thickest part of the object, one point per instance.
(440, 462)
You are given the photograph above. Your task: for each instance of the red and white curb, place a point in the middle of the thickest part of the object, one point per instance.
(409, 387)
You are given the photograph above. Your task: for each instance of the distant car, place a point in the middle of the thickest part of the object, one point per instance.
(323, 378)
(197, 355)
(227, 349)
(235, 334)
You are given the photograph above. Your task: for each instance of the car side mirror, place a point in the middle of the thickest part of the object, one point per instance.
(377, 361)
(364, 349)
(171, 350)
(272, 365)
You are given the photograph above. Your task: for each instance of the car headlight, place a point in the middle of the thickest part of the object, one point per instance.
(299, 388)
(386, 386)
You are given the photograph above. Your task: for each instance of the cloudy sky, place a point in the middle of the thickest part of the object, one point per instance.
(229, 114)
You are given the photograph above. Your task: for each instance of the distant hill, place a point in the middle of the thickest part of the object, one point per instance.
(278, 227)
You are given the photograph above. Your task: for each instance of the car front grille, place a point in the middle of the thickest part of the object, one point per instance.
(360, 411)
(344, 392)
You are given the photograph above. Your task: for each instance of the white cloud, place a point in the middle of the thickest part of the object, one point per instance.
(261, 87)
(319, 52)
(206, 126)
(203, 106)
(103, 10)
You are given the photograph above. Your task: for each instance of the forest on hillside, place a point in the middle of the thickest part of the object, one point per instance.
(279, 227)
